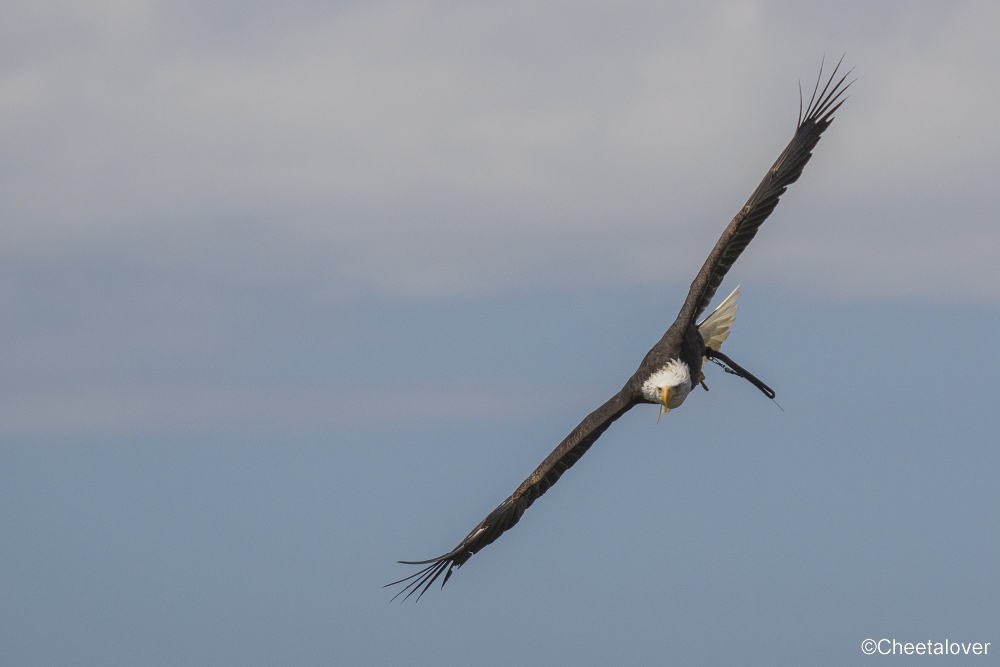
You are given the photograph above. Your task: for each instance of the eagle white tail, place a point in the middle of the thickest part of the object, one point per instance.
(714, 329)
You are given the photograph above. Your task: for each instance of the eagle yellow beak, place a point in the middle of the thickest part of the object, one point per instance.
(664, 397)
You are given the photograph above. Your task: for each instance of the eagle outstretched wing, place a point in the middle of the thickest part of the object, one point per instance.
(509, 511)
(785, 171)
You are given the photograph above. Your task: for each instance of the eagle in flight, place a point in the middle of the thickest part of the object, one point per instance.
(674, 365)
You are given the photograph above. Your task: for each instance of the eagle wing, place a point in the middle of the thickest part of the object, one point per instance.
(509, 512)
(786, 170)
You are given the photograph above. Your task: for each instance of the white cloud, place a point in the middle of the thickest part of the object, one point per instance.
(467, 146)
(441, 148)
(191, 408)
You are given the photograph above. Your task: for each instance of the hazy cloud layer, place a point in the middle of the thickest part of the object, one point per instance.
(182, 180)
(443, 147)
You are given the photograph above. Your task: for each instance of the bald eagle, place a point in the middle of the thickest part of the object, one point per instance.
(674, 365)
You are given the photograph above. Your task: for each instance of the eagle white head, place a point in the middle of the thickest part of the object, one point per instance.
(668, 386)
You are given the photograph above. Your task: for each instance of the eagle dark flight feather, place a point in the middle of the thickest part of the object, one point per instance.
(785, 171)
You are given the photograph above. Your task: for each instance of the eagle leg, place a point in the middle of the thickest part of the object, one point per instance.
(736, 369)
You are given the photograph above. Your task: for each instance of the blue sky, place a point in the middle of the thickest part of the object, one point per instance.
(291, 294)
